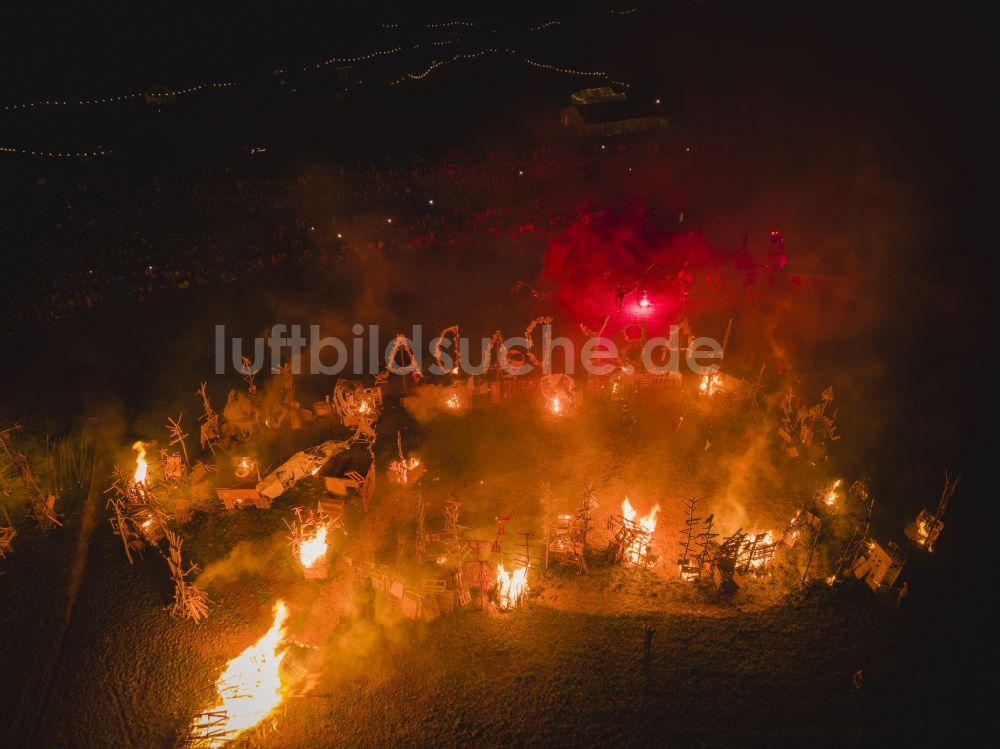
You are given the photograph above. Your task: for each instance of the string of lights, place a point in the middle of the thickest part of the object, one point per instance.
(543, 26)
(56, 154)
(330, 61)
(346, 60)
(452, 24)
(465, 56)
(163, 95)
(116, 99)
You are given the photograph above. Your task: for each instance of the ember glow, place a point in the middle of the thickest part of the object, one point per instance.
(511, 588)
(140, 462)
(244, 467)
(453, 401)
(710, 383)
(555, 406)
(406, 470)
(250, 688)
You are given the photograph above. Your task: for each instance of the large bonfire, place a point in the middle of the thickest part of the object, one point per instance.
(249, 690)
(511, 588)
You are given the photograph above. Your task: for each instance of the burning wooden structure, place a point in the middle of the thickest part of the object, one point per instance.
(632, 543)
(309, 541)
(722, 560)
(355, 404)
(924, 531)
(805, 524)
(239, 482)
(736, 556)
(304, 463)
(350, 472)
(137, 515)
(405, 470)
(807, 428)
(566, 534)
(879, 565)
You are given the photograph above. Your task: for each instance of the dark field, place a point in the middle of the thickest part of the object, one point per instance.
(394, 191)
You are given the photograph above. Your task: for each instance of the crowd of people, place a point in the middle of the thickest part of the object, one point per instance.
(80, 247)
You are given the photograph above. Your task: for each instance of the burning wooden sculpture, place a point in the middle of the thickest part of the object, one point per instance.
(722, 561)
(924, 531)
(632, 544)
(249, 690)
(309, 542)
(808, 428)
(138, 517)
(349, 472)
(240, 482)
(805, 523)
(355, 404)
(566, 535)
(406, 471)
(303, 463)
(879, 566)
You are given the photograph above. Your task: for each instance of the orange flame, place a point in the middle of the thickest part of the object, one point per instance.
(710, 383)
(140, 463)
(511, 588)
(830, 498)
(554, 406)
(250, 688)
(635, 552)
